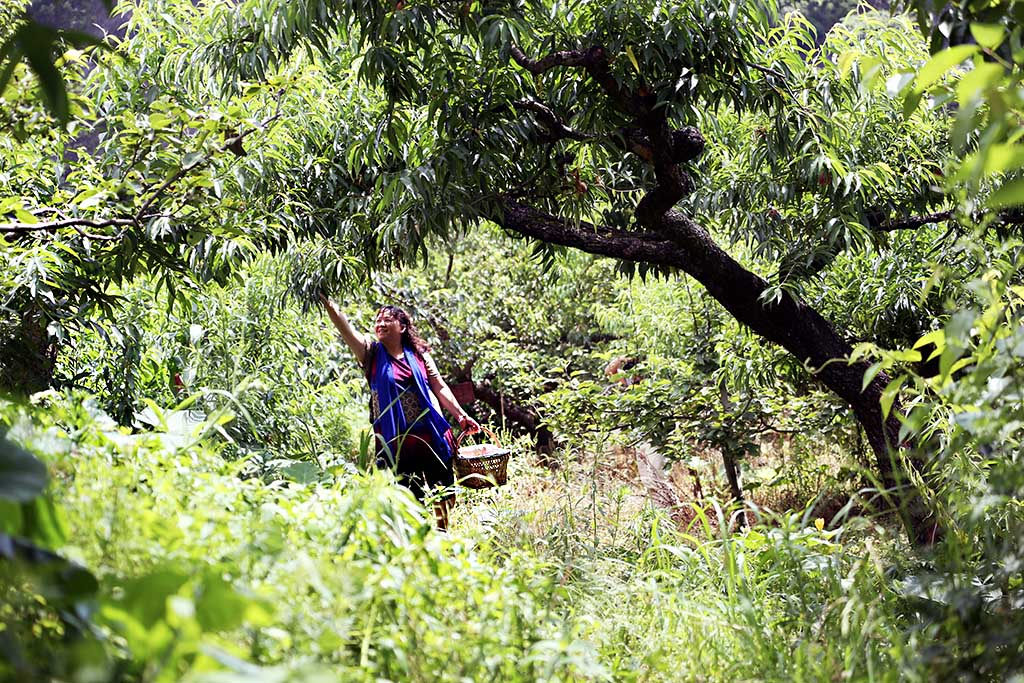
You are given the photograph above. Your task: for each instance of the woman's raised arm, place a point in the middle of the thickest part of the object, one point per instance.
(355, 340)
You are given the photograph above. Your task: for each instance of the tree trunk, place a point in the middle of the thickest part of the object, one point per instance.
(733, 476)
(729, 459)
(524, 417)
(27, 354)
(676, 242)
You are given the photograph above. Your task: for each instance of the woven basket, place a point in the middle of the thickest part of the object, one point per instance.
(483, 465)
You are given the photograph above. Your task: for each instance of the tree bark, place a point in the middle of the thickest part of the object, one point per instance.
(524, 417)
(676, 242)
(733, 477)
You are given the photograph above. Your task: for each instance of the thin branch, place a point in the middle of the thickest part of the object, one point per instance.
(39, 211)
(595, 61)
(184, 170)
(571, 58)
(134, 160)
(142, 214)
(75, 223)
(551, 121)
(768, 70)
(914, 222)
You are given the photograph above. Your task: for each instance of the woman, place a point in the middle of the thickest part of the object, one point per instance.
(407, 393)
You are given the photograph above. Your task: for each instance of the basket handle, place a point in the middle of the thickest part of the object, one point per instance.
(484, 429)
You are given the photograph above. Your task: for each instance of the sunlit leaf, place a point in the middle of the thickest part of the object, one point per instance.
(941, 63)
(1010, 194)
(988, 35)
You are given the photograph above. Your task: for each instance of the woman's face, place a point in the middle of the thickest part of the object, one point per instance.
(388, 327)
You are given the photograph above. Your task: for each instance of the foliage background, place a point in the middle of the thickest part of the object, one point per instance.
(188, 499)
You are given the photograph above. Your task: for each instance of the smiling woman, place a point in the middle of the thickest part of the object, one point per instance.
(406, 396)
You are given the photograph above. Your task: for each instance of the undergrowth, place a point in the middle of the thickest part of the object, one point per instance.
(207, 573)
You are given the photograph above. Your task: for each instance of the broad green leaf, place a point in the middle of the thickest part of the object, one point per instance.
(846, 63)
(890, 393)
(10, 517)
(870, 374)
(191, 159)
(145, 598)
(906, 356)
(966, 122)
(44, 523)
(988, 35)
(158, 121)
(977, 81)
(938, 65)
(219, 607)
(1010, 194)
(10, 57)
(92, 199)
(911, 102)
(24, 216)
(936, 337)
(898, 82)
(36, 43)
(1002, 158)
(22, 476)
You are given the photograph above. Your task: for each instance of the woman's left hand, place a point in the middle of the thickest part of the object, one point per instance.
(468, 425)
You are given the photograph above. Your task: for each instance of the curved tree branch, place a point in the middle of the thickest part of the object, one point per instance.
(75, 223)
(595, 61)
(555, 59)
(551, 121)
(913, 222)
(678, 242)
(231, 144)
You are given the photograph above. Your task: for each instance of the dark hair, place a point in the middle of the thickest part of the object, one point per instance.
(411, 336)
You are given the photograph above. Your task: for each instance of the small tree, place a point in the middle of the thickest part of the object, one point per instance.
(584, 127)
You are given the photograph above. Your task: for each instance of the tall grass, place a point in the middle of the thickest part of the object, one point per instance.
(209, 575)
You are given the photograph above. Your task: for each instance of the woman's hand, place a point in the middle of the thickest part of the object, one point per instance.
(468, 425)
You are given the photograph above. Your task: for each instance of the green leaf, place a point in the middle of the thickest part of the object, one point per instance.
(24, 216)
(146, 598)
(1010, 194)
(43, 522)
(988, 35)
(219, 606)
(10, 55)
(977, 81)
(905, 356)
(158, 121)
(1002, 158)
(632, 58)
(191, 158)
(11, 518)
(90, 198)
(22, 476)
(898, 82)
(911, 101)
(890, 393)
(936, 337)
(36, 43)
(870, 374)
(938, 65)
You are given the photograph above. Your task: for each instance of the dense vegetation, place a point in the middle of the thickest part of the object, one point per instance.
(741, 291)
